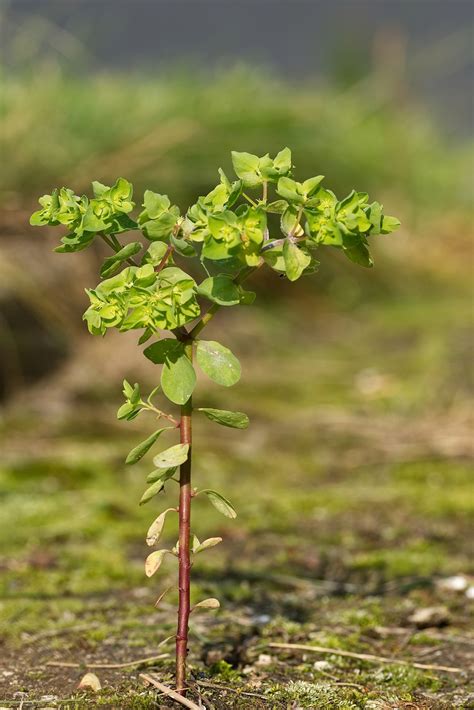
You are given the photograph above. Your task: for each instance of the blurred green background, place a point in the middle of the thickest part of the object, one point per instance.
(355, 471)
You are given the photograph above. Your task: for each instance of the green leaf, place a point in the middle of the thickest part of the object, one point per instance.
(98, 188)
(235, 420)
(155, 204)
(112, 263)
(178, 378)
(276, 207)
(139, 451)
(183, 247)
(220, 289)
(151, 491)
(282, 161)
(174, 456)
(389, 224)
(246, 297)
(311, 185)
(155, 253)
(246, 168)
(290, 190)
(161, 227)
(127, 389)
(126, 410)
(218, 362)
(135, 396)
(154, 560)
(160, 351)
(359, 254)
(163, 474)
(295, 260)
(221, 504)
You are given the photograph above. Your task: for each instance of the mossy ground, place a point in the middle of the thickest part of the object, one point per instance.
(354, 499)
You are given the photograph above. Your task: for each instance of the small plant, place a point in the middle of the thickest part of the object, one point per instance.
(142, 288)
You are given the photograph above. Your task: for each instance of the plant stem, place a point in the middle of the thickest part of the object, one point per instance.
(184, 542)
(185, 495)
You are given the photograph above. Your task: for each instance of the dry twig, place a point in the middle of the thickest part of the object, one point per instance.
(225, 688)
(151, 680)
(128, 664)
(364, 657)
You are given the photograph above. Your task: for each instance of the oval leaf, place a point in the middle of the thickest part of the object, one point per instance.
(210, 542)
(162, 350)
(139, 451)
(220, 289)
(178, 379)
(151, 491)
(236, 420)
(154, 560)
(208, 604)
(221, 504)
(156, 528)
(218, 362)
(174, 456)
(161, 474)
(112, 263)
(295, 260)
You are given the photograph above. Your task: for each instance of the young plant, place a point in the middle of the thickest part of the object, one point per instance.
(143, 288)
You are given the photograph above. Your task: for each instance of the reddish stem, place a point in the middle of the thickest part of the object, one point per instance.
(184, 511)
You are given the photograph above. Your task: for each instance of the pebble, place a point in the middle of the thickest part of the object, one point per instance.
(322, 665)
(430, 616)
(457, 583)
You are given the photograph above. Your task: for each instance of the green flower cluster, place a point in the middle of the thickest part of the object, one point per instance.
(106, 212)
(228, 228)
(139, 297)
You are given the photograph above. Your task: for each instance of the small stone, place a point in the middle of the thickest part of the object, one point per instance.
(457, 583)
(470, 592)
(90, 681)
(264, 659)
(430, 616)
(322, 665)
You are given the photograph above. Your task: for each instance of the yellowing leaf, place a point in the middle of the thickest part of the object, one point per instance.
(156, 528)
(153, 561)
(210, 542)
(208, 604)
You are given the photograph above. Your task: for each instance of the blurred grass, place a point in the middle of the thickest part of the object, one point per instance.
(171, 132)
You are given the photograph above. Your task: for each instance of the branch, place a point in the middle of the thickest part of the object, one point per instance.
(165, 258)
(364, 657)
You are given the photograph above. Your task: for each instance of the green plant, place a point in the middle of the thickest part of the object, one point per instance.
(228, 232)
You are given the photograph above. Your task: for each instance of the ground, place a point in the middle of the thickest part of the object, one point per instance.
(353, 496)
